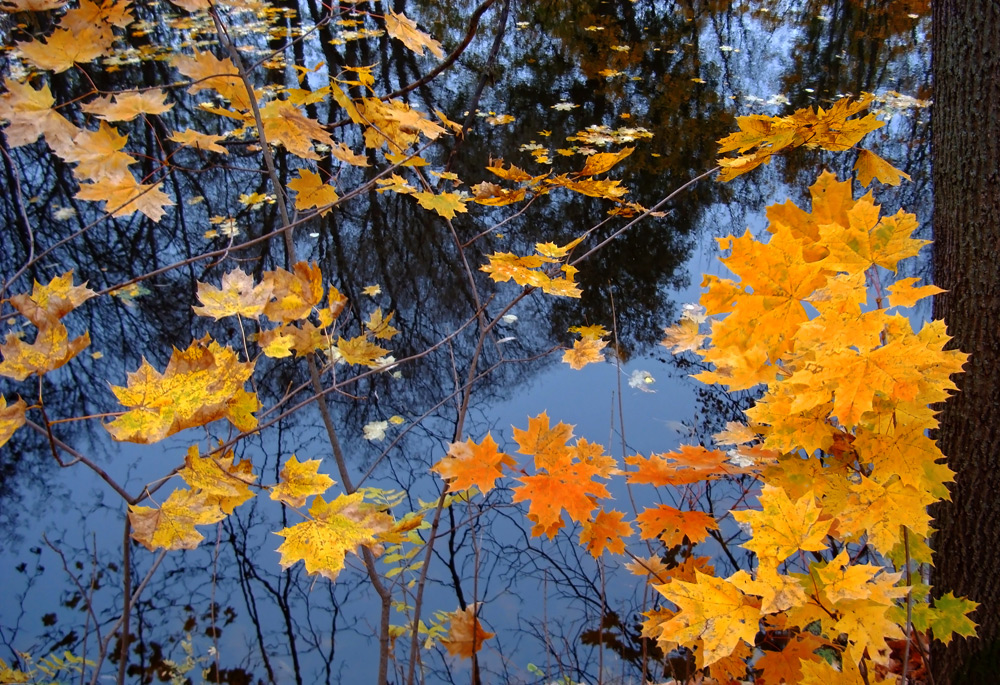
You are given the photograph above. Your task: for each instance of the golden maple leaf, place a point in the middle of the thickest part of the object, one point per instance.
(299, 481)
(30, 115)
(172, 525)
(465, 633)
(603, 161)
(294, 293)
(210, 73)
(360, 350)
(98, 154)
(712, 610)
(345, 154)
(199, 385)
(286, 125)
(783, 527)
(197, 139)
(52, 347)
(238, 296)
(218, 479)
(123, 196)
(405, 29)
(11, 418)
(379, 326)
(870, 166)
(311, 191)
(585, 351)
(336, 528)
(66, 47)
(128, 105)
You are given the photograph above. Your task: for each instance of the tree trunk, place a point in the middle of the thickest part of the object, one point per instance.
(966, 163)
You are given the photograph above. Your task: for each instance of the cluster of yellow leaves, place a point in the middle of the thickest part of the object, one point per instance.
(760, 137)
(217, 487)
(487, 193)
(537, 270)
(44, 308)
(81, 35)
(847, 381)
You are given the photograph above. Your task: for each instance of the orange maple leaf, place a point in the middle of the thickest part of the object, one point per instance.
(688, 465)
(465, 633)
(607, 531)
(673, 525)
(548, 445)
(469, 464)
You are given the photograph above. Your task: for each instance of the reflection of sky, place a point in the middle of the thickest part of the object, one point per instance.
(517, 597)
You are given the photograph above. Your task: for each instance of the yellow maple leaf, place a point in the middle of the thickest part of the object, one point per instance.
(11, 418)
(465, 633)
(445, 204)
(50, 350)
(54, 300)
(380, 326)
(128, 105)
(286, 125)
(210, 73)
(29, 114)
(405, 29)
(336, 528)
(98, 154)
(299, 481)
(172, 525)
(123, 196)
(217, 479)
(867, 240)
(905, 293)
(870, 165)
(345, 154)
(712, 610)
(238, 296)
(199, 385)
(360, 350)
(310, 191)
(783, 527)
(201, 141)
(66, 47)
(585, 351)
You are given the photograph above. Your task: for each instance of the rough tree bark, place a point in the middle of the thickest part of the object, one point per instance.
(966, 172)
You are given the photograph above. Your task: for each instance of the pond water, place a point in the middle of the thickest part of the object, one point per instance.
(540, 85)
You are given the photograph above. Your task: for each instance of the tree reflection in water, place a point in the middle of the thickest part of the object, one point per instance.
(679, 70)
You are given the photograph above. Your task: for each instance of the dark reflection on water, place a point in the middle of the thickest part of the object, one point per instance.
(680, 71)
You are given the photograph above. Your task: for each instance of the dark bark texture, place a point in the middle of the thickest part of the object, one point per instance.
(966, 163)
